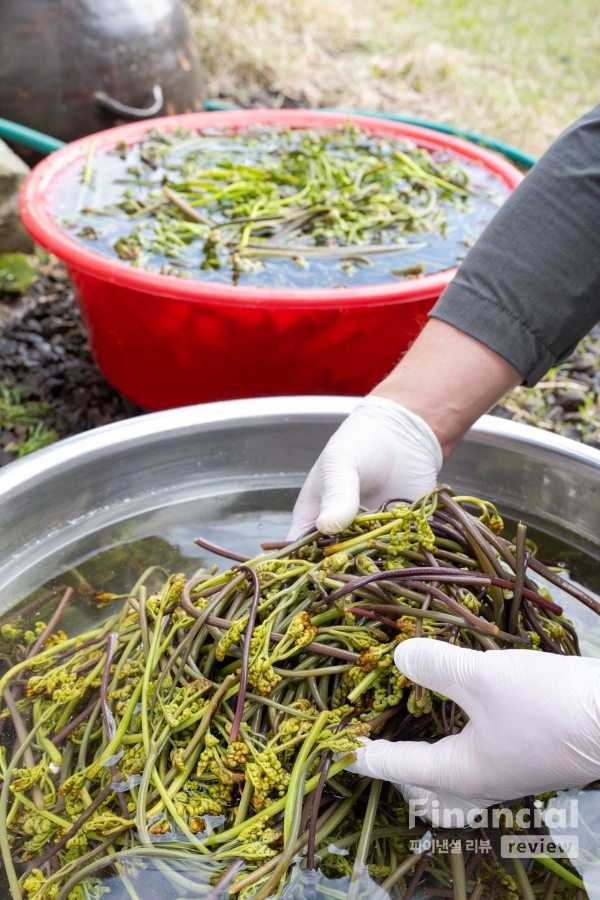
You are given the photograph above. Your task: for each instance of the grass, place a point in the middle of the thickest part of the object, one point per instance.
(519, 70)
(16, 411)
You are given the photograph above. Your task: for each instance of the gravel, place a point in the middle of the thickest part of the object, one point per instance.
(567, 400)
(44, 352)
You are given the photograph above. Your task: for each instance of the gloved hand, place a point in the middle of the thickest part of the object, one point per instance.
(382, 450)
(534, 726)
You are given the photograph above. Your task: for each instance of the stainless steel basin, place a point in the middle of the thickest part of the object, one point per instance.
(232, 471)
(226, 466)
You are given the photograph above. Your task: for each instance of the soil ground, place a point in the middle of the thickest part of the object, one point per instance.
(46, 363)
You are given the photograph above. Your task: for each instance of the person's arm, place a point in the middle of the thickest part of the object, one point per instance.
(530, 287)
(524, 296)
(450, 380)
(394, 442)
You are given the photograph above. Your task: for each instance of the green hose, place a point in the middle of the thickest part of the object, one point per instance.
(27, 137)
(513, 153)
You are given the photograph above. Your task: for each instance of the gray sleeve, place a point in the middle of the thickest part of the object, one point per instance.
(530, 287)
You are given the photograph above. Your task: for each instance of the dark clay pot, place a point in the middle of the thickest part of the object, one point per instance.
(72, 67)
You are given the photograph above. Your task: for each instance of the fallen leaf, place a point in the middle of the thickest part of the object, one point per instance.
(17, 273)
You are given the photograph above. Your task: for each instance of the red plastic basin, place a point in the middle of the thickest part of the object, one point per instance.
(166, 342)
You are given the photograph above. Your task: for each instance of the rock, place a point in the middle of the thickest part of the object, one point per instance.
(531, 405)
(13, 237)
(7, 348)
(54, 325)
(13, 171)
(580, 362)
(556, 414)
(501, 413)
(572, 433)
(571, 400)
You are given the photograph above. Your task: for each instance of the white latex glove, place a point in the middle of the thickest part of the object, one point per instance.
(534, 726)
(382, 450)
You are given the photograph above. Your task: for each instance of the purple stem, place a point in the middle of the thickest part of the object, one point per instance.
(565, 585)
(107, 717)
(535, 625)
(241, 699)
(486, 837)
(57, 739)
(419, 724)
(454, 524)
(472, 531)
(422, 865)
(22, 611)
(51, 624)
(220, 551)
(472, 864)
(86, 667)
(98, 801)
(60, 657)
(522, 558)
(456, 607)
(400, 726)
(432, 561)
(386, 503)
(357, 611)
(450, 533)
(202, 615)
(226, 878)
(443, 574)
(383, 717)
(373, 589)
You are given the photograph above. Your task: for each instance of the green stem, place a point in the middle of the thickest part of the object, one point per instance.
(366, 837)
(520, 874)
(365, 684)
(556, 867)
(459, 881)
(279, 805)
(4, 843)
(298, 776)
